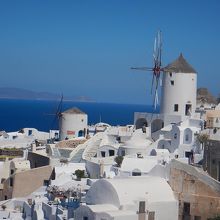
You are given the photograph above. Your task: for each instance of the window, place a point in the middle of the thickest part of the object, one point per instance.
(29, 132)
(80, 133)
(142, 207)
(103, 153)
(123, 153)
(11, 182)
(111, 153)
(136, 173)
(56, 136)
(171, 74)
(214, 130)
(85, 218)
(187, 137)
(186, 208)
(172, 82)
(151, 215)
(175, 136)
(188, 109)
(46, 182)
(118, 139)
(176, 107)
(188, 154)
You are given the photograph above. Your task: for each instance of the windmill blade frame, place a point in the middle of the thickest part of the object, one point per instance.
(157, 66)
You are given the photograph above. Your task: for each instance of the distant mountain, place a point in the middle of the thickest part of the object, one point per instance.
(17, 93)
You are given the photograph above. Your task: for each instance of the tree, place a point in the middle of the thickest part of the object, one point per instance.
(3, 206)
(119, 160)
(202, 139)
(79, 174)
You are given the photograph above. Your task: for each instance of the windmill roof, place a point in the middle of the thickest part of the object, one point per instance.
(73, 111)
(180, 65)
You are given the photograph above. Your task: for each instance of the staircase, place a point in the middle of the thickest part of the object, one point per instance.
(77, 158)
(56, 153)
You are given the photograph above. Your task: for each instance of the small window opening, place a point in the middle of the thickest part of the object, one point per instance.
(187, 137)
(175, 136)
(172, 82)
(111, 153)
(188, 109)
(176, 108)
(136, 173)
(29, 132)
(142, 207)
(103, 153)
(151, 215)
(11, 182)
(186, 208)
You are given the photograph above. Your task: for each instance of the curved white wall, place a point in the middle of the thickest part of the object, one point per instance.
(180, 89)
(71, 124)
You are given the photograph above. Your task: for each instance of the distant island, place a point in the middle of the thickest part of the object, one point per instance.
(18, 93)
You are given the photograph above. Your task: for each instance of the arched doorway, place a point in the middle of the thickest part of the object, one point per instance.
(141, 122)
(80, 133)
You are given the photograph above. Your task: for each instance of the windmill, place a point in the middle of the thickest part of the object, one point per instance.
(156, 69)
(57, 113)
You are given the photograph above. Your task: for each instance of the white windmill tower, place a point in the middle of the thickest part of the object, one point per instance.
(179, 84)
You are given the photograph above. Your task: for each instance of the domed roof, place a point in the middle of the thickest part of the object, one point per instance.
(73, 111)
(180, 65)
(127, 191)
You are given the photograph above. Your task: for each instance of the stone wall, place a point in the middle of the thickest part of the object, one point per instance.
(24, 183)
(212, 158)
(38, 160)
(198, 193)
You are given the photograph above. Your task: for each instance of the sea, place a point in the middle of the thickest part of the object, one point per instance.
(41, 114)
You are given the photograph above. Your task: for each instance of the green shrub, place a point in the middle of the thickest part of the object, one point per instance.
(118, 160)
(80, 174)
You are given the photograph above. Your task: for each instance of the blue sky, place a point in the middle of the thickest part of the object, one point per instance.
(86, 48)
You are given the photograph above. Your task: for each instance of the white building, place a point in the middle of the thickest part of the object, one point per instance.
(213, 119)
(23, 138)
(178, 97)
(73, 123)
(129, 199)
(179, 89)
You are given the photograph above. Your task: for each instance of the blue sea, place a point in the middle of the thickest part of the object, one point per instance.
(40, 114)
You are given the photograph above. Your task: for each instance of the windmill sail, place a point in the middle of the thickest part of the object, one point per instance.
(156, 69)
